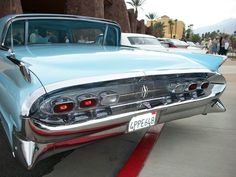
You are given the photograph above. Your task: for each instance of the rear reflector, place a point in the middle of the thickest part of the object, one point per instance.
(63, 107)
(88, 103)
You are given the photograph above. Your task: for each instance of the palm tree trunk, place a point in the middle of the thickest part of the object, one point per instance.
(136, 12)
(175, 29)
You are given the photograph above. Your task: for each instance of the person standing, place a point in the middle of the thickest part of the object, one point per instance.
(226, 45)
(221, 46)
(209, 45)
(214, 46)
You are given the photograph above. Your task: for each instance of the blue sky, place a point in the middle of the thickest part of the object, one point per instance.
(197, 12)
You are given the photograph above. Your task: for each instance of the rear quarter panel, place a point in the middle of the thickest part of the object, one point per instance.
(13, 91)
(212, 62)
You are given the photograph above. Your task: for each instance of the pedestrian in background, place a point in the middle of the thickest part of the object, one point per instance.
(214, 46)
(221, 46)
(226, 45)
(209, 45)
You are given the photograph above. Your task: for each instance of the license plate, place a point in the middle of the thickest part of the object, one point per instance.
(142, 121)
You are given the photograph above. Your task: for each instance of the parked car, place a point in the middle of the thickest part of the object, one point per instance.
(182, 46)
(148, 42)
(193, 46)
(65, 81)
(142, 41)
(173, 43)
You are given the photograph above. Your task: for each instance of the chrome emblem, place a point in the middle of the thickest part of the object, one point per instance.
(144, 91)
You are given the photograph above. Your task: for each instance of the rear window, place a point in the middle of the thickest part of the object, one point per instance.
(49, 31)
(143, 41)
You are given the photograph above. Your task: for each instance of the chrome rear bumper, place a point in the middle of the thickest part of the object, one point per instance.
(38, 141)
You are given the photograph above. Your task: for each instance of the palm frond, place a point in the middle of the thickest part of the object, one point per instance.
(151, 16)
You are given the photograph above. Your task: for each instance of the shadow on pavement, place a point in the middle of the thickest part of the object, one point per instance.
(10, 167)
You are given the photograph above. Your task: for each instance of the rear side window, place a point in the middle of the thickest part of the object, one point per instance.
(17, 30)
(112, 37)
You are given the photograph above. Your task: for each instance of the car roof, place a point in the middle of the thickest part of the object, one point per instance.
(14, 16)
(136, 35)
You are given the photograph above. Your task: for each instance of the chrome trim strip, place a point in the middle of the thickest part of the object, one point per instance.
(30, 100)
(179, 71)
(138, 102)
(48, 15)
(105, 35)
(26, 32)
(225, 58)
(74, 82)
(69, 83)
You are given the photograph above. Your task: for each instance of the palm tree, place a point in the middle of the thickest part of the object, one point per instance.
(151, 17)
(136, 4)
(189, 31)
(176, 27)
(159, 29)
(171, 27)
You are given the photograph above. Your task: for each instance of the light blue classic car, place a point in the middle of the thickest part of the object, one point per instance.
(66, 80)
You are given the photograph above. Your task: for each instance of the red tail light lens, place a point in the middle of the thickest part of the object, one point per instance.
(63, 107)
(205, 85)
(172, 46)
(88, 103)
(192, 87)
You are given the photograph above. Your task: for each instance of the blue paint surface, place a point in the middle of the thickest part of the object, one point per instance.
(212, 62)
(55, 63)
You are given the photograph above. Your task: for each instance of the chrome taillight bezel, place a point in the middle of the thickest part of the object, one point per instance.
(108, 98)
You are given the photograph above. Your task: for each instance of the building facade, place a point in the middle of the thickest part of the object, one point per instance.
(173, 28)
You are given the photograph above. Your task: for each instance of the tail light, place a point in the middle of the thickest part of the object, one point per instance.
(172, 45)
(63, 107)
(192, 87)
(205, 85)
(87, 103)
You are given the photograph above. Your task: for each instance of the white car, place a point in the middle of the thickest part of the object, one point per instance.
(177, 45)
(193, 46)
(142, 41)
(148, 42)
